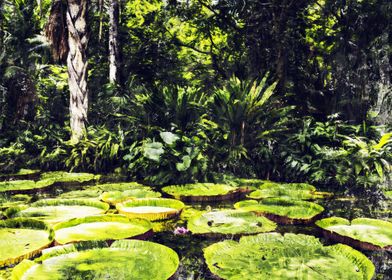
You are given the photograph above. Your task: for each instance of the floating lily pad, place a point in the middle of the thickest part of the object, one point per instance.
(101, 227)
(115, 197)
(22, 238)
(285, 211)
(14, 200)
(368, 234)
(203, 192)
(151, 208)
(290, 191)
(23, 186)
(235, 222)
(58, 210)
(97, 190)
(68, 178)
(273, 256)
(251, 183)
(124, 259)
(22, 174)
(388, 194)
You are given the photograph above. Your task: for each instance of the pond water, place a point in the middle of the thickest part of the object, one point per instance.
(190, 247)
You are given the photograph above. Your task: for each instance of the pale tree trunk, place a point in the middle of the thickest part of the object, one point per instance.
(77, 66)
(114, 51)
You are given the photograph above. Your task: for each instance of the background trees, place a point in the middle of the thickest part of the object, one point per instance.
(187, 67)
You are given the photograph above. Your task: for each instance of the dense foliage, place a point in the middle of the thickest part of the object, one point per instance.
(287, 90)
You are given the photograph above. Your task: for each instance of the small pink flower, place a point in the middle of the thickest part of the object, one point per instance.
(180, 231)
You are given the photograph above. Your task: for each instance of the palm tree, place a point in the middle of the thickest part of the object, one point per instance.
(114, 48)
(67, 33)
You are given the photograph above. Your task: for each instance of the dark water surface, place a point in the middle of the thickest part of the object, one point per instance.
(190, 248)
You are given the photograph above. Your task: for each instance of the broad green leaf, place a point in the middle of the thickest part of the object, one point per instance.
(169, 137)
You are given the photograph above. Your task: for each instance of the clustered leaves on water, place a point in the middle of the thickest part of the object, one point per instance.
(199, 189)
(293, 209)
(299, 191)
(377, 232)
(100, 227)
(57, 210)
(124, 259)
(151, 208)
(273, 256)
(22, 238)
(229, 222)
(97, 190)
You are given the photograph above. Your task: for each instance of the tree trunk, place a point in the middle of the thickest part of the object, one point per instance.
(114, 51)
(77, 66)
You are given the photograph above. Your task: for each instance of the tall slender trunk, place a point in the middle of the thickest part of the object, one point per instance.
(1, 26)
(114, 51)
(77, 66)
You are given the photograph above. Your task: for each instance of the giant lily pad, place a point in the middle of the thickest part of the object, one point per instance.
(368, 234)
(23, 186)
(101, 227)
(22, 238)
(97, 190)
(203, 192)
(235, 222)
(115, 197)
(67, 178)
(285, 211)
(290, 191)
(124, 259)
(273, 256)
(22, 174)
(53, 211)
(151, 208)
(14, 200)
(251, 183)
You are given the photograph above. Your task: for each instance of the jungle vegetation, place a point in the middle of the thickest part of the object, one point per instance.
(183, 91)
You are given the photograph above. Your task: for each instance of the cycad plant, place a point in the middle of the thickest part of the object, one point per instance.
(240, 105)
(248, 117)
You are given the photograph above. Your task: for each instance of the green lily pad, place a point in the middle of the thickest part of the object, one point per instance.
(22, 238)
(101, 227)
(21, 186)
(21, 174)
(151, 208)
(251, 183)
(285, 211)
(203, 192)
(294, 257)
(290, 191)
(124, 259)
(115, 197)
(14, 200)
(388, 194)
(61, 177)
(54, 211)
(234, 222)
(97, 190)
(368, 234)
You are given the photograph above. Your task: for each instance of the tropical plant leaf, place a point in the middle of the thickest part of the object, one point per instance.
(22, 238)
(115, 197)
(229, 222)
(124, 259)
(151, 208)
(153, 150)
(286, 211)
(100, 227)
(169, 137)
(53, 211)
(273, 256)
(364, 230)
(202, 192)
